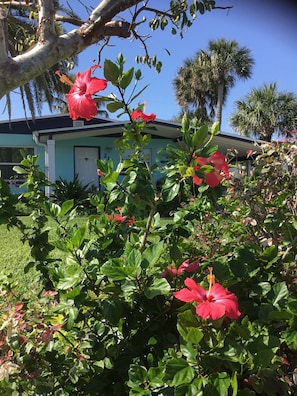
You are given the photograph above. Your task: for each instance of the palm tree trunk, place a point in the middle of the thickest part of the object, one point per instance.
(220, 104)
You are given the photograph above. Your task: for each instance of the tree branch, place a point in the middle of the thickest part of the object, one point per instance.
(69, 19)
(3, 35)
(105, 12)
(51, 48)
(18, 3)
(46, 53)
(46, 26)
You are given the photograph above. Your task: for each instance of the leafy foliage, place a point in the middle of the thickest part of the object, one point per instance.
(107, 322)
(75, 190)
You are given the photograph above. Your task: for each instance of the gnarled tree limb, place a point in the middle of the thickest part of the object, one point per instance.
(104, 21)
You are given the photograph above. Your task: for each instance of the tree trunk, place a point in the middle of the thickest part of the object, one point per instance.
(220, 100)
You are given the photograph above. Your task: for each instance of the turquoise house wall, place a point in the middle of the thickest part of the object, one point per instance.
(65, 153)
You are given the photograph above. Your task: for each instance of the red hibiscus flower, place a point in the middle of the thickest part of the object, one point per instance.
(186, 266)
(137, 114)
(213, 303)
(80, 102)
(214, 177)
(121, 219)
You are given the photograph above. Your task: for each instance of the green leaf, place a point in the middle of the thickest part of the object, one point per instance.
(111, 177)
(234, 383)
(79, 237)
(152, 254)
(170, 190)
(269, 254)
(200, 136)
(19, 170)
(117, 270)
(134, 258)
(66, 206)
(215, 129)
(155, 377)
(115, 106)
(112, 310)
(111, 71)
(72, 315)
(221, 382)
(178, 372)
(69, 282)
(187, 318)
(73, 375)
(292, 307)
(188, 327)
(158, 287)
(280, 292)
(52, 209)
(290, 338)
(126, 78)
(192, 335)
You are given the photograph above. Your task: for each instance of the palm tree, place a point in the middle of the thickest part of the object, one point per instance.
(192, 89)
(265, 112)
(203, 83)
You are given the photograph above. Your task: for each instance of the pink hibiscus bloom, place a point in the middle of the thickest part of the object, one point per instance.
(213, 303)
(137, 114)
(100, 173)
(80, 102)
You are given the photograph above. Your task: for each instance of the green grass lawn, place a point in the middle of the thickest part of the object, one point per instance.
(14, 257)
(15, 254)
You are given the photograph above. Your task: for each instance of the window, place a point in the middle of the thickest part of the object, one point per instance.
(11, 156)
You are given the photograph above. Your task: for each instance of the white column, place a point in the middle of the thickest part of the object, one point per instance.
(50, 164)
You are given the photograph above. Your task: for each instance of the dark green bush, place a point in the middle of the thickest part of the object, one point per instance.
(64, 190)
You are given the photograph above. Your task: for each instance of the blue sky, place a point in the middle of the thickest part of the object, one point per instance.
(267, 27)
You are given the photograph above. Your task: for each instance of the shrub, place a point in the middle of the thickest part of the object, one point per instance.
(64, 190)
(204, 304)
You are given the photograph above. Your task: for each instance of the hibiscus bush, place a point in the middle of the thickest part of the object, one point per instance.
(201, 303)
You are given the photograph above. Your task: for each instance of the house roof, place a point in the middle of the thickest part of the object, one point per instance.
(61, 127)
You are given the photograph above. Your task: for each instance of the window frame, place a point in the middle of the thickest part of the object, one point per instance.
(14, 178)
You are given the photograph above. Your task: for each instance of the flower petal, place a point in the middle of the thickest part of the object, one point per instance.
(210, 310)
(184, 295)
(81, 106)
(222, 296)
(197, 180)
(197, 290)
(137, 114)
(213, 179)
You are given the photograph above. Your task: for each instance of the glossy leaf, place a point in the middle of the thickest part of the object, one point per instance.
(200, 136)
(111, 71)
(158, 287)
